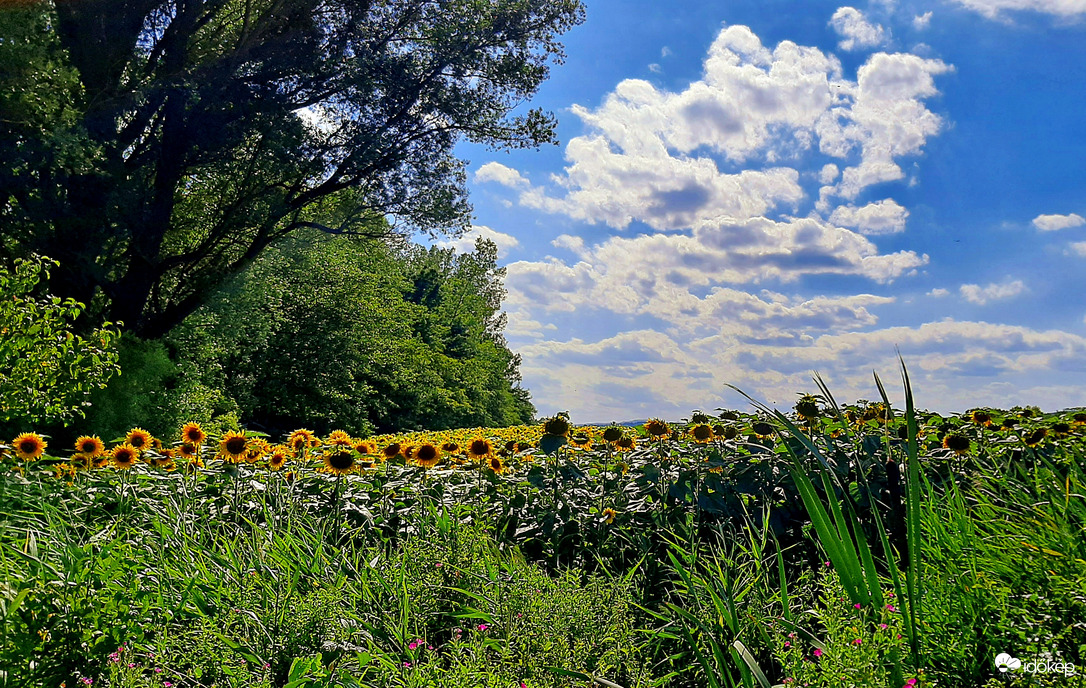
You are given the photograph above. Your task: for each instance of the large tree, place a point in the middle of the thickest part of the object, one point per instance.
(156, 147)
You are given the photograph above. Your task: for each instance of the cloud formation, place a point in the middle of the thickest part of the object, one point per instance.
(856, 32)
(993, 8)
(974, 293)
(465, 243)
(1051, 223)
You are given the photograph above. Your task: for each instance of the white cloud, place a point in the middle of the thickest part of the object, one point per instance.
(1051, 223)
(499, 173)
(1079, 248)
(655, 68)
(828, 173)
(922, 21)
(858, 33)
(465, 243)
(938, 293)
(880, 217)
(993, 8)
(974, 293)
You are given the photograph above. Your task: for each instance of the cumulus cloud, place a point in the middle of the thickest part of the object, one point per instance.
(880, 217)
(499, 173)
(465, 243)
(857, 33)
(974, 293)
(993, 8)
(938, 293)
(1078, 248)
(922, 21)
(730, 144)
(1051, 223)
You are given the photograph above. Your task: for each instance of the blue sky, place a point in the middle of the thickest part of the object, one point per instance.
(753, 191)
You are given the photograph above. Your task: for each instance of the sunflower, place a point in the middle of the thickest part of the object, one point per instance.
(301, 439)
(408, 451)
(959, 444)
(81, 462)
(609, 515)
(1079, 419)
(559, 425)
(427, 455)
(729, 415)
(981, 418)
(391, 451)
(450, 447)
(339, 438)
(256, 449)
(138, 439)
(1034, 438)
(233, 446)
(612, 434)
(192, 433)
(702, 433)
(101, 460)
(188, 450)
(480, 448)
(1061, 429)
(90, 446)
(762, 429)
(581, 441)
(29, 445)
(364, 447)
(339, 462)
(807, 407)
(657, 428)
(124, 456)
(278, 457)
(625, 443)
(496, 464)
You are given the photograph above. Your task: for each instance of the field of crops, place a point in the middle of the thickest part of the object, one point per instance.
(833, 545)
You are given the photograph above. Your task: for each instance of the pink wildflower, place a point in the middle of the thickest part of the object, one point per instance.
(818, 652)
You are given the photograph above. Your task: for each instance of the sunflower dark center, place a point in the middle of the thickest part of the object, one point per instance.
(703, 432)
(480, 447)
(341, 461)
(28, 446)
(427, 453)
(235, 445)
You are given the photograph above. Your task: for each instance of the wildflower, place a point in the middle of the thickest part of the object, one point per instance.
(857, 605)
(609, 516)
(414, 644)
(29, 445)
(787, 644)
(891, 608)
(883, 626)
(817, 652)
(857, 642)
(483, 627)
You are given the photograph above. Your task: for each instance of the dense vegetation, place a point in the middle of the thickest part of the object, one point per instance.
(858, 546)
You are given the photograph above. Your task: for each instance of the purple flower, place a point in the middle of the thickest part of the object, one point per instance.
(818, 652)
(483, 627)
(857, 642)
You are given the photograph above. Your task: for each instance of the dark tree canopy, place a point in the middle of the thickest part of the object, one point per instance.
(156, 147)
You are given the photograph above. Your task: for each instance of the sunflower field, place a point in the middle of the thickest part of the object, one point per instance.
(832, 545)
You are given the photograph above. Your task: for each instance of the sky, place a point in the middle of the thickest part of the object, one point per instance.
(751, 192)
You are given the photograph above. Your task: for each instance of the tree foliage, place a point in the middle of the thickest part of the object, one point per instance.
(157, 147)
(46, 371)
(334, 332)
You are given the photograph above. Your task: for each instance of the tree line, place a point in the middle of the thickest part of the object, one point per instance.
(186, 161)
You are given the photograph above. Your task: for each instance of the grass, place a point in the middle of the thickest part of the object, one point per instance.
(849, 548)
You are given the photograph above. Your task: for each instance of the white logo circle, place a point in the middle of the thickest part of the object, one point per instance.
(1004, 662)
